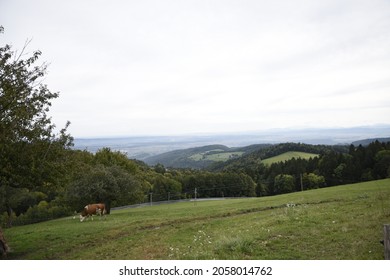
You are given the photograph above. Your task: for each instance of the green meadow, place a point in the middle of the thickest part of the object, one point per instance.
(343, 222)
(220, 156)
(287, 156)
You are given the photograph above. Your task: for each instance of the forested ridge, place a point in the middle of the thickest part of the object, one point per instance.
(42, 177)
(201, 157)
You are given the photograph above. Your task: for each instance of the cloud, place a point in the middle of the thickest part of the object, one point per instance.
(167, 67)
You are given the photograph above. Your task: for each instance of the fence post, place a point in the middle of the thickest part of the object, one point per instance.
(386, 241)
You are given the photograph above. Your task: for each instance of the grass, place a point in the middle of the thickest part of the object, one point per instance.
(222, 156)
(287, 156)
(344, 222)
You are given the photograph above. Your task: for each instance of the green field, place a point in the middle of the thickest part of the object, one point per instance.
(344, 222)
(221, 156)
(288, 156)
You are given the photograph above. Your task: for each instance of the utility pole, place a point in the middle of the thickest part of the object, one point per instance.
(301, 183)
(195, 196)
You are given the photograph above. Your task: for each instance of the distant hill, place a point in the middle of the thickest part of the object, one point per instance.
(201, 157)
(366, 142)
(179, 152)
(220, 157)
(143, 147)
(186, 158)
(253, 159)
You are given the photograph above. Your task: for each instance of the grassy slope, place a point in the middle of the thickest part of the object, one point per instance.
(221, 156)
(201, 157)
(288, 156)
(343, 222)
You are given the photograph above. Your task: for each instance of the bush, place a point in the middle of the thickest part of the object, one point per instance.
(38, 213)
(284, 183)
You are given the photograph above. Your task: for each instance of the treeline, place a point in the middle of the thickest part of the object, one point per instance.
(184, 158)
(252, 157)
(335, 165)
(110, 177)
(196, 158)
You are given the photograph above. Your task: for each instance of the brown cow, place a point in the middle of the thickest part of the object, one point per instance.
(93, 209)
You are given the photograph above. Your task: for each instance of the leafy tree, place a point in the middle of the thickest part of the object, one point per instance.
(247, 187)
(159, 168)
(31, 154)
(164, 188)
(339, 171)
(313, 181)
(111, 185)
(284, 183)
(327, 166)
(115, 158)
(261, 189)
(382, 164)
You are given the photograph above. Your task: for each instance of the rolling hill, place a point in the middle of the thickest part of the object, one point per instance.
(201, 157)
(217, 157)
(142, 147)
(255, 157)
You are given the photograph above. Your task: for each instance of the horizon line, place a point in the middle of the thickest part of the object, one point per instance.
(235, 133)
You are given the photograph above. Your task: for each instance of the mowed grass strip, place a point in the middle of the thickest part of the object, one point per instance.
(344, 222)
(287, 156)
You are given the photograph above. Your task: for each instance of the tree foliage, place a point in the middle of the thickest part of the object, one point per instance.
(31, 153)
(284, 183)
(110, 185)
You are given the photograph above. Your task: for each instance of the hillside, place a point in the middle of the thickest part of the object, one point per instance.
(219, 157)
(142, 147)
(251, 160)
(185, 158)
(366, 142)
(348, 220)
(287, 156)
(201, 157)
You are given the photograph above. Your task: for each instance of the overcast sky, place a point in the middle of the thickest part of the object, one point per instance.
(155, 67)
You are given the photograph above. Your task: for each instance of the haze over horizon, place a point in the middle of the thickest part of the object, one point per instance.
(134, 68)
(142, 147)
(374, 131)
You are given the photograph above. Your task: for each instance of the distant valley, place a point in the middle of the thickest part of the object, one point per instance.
(205, 149)
(202, 157)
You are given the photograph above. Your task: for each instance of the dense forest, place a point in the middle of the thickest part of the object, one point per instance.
(335, 165)
(42, 177)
